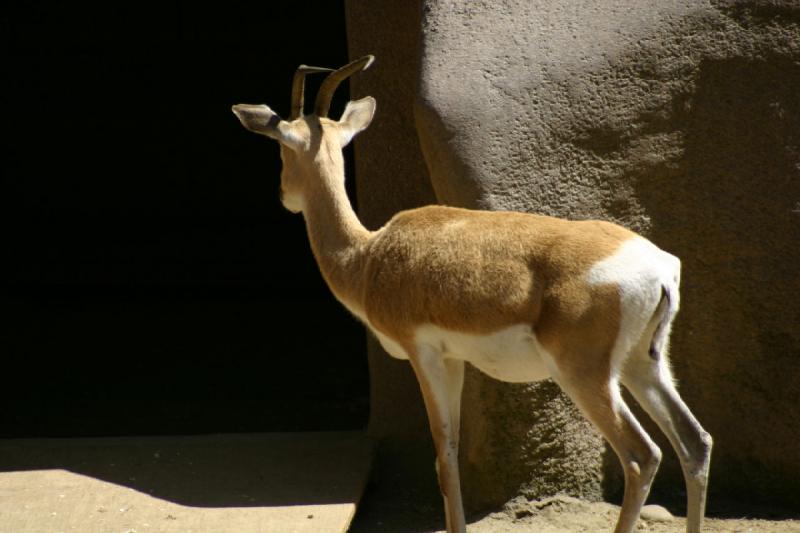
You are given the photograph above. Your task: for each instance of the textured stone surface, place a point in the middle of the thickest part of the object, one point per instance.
(678, 119)
(391, 176)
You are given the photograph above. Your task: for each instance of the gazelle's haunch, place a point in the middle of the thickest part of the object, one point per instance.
(521, 297)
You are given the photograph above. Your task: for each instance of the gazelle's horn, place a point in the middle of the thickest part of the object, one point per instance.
(298, 87)
(325, 94)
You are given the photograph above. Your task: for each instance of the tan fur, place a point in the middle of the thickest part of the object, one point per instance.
(478, 272)
(583, 295)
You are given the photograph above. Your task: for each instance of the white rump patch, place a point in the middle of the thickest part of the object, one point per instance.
(639, 268)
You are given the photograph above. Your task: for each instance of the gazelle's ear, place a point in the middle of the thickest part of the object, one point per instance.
(264, 121)
(356, 117)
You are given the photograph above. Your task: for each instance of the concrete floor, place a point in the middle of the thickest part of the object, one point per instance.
(259, 483)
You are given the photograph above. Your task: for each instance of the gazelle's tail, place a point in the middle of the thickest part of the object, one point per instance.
(665, 313)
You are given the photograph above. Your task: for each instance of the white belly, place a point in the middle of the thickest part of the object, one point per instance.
(512, 354)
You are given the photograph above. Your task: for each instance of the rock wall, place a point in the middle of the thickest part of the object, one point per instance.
(678, 119)
(391, 176)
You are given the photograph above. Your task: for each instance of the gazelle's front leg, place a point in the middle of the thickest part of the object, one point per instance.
(441, 381)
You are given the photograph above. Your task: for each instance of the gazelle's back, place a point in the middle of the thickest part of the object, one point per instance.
(478, 271)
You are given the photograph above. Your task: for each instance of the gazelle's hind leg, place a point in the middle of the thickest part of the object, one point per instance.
(597, 394)
(650, 381)
(441, 381)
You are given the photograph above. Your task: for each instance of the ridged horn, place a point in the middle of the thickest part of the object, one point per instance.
(298, 87)
(328, 87)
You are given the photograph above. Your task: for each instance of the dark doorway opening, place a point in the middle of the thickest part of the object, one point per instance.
(154, 284)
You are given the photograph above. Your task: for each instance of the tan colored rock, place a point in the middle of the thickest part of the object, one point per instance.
(678, 119)
(656, 513)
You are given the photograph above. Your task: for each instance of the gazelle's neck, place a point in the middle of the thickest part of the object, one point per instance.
(337, 237)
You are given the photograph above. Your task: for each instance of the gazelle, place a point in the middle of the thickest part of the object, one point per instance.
(519, 296)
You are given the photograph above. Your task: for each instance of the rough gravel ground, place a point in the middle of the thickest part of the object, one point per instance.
(562, 514)
(400, 499)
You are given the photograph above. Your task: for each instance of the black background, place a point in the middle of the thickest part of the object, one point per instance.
(153, 282)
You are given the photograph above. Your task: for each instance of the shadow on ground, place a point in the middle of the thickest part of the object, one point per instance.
(267, 470)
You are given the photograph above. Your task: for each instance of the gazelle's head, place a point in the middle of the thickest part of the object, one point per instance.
(311, 145)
